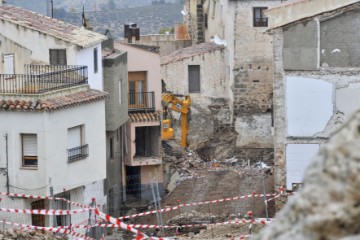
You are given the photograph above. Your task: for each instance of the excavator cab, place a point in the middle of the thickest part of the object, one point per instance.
(180, 104)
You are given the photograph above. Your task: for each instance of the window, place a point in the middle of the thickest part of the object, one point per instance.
(95, 60)
(111, 148)
(76, 149)
(194, 78)
(120, 83)
(63, 220)
(137, 88)
(29, 150)
(9, 64)
(57, 56)
(259, 17)
(37, 219)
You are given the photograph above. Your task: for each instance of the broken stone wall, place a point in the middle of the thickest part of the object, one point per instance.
(327, 206)
(309, 105)
(253, 82)
(337, 40)
(209, 108)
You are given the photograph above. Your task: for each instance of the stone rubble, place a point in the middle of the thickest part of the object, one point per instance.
(18, 234)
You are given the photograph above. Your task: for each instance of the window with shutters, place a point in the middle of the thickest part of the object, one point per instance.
(194, 78)
(29, 150)
(77, 150)
(57, 56)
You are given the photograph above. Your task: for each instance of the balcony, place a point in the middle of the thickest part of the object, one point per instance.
(43, 78)
(78, 153)
(141, 101)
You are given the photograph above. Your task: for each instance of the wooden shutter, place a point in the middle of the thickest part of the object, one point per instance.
(194, 78)
(9, 64)
(29, 145)
(57, 56)
(74, 137)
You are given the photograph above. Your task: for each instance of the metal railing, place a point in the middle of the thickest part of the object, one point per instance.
(43, 78)
(78, 153)
(141, 101)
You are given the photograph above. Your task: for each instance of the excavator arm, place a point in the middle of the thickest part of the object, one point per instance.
(174, 102)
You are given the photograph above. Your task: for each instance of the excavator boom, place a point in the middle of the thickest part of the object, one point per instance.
(173, 102)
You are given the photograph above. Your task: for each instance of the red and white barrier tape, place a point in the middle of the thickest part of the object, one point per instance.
(44, 211)
(200, 203)
(49, 229)
(43, 197)
(118, 223)
(262, 221)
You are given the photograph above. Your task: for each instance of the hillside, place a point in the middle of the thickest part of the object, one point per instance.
(149, 17)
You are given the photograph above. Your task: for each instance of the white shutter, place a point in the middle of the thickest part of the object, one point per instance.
(29, 145)
(9, 64)
(74, 137)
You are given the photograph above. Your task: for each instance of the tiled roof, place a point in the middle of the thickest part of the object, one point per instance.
(58, 29)
(144, 117)
(54, 103)
(190, 52)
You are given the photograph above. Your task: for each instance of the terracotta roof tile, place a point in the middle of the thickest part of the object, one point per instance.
(190, 52)
(51, 104)
(144, 117)
(59, 29)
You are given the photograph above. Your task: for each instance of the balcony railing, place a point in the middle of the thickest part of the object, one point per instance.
(141, 101)
(78, 153)
(43, 78)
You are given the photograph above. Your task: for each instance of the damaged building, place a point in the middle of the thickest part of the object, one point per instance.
(143, 162)
(191, 69)
(240, 103)
(317, 79)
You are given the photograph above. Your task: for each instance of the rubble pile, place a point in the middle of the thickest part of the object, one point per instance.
(191, 165)
(23, 234)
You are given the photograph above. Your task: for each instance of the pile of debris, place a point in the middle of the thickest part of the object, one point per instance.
(23, 234)
(191, 165)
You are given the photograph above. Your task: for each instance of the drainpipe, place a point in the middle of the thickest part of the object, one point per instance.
(6, 169)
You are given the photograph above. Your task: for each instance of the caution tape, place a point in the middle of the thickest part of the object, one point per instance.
(118, 223)
(17, 195)
(262, 221)
(49, 229)
(44, 211)
(253, 195)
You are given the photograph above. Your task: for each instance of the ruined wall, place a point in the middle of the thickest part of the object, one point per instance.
(209, 108)
(327, 207)
(253, 79)
(279, 117)
(338, 45)
(166, 42)
(308, 105)
(301, 46)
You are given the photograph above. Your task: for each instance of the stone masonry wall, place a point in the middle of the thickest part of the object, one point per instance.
(279, 117)
(253, 83)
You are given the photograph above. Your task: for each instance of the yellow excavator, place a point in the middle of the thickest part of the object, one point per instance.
(181, 104)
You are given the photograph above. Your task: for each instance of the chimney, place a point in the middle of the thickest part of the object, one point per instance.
(131, 32)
